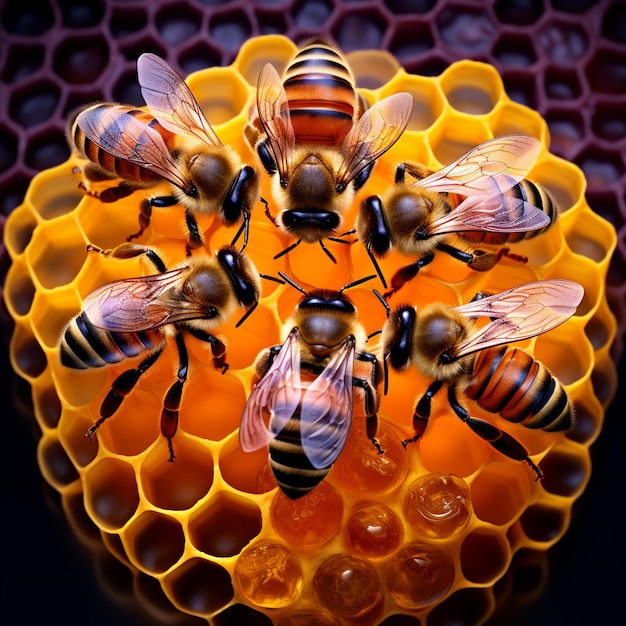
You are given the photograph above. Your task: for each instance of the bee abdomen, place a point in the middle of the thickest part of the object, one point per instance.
(291, 468)
(321, 95)
(510, 382)
(83, 345)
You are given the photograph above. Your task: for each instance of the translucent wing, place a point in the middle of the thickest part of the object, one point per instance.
(273, 110)
(502, 213)
(127, 138)
(488, 169)
(136, 304)
(278, 392)
(170, 100)
(520, 313)
(326, 414)
(373, 134)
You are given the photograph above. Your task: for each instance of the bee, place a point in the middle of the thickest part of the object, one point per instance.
(482, 197)
(442, 343)
(139, 316)
(311, 128)
(302, 399)
(173, 142)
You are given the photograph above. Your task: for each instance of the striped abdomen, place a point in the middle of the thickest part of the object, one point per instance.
(533, 194)
(84, 345)
(321, 94)
(510, 382)
(111, 121)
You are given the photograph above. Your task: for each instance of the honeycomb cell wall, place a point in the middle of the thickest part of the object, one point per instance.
(222, 542)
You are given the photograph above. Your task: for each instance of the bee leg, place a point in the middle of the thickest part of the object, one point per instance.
(130, 251)
(422, 412)
(218, 348)
(268, 212)
(327, 251)
(371, 400)
(194, 239)
(145, 213)
(171, 402)
(113, 194)
(404, 274)
(498, 439)
(511, 255)
(120, 388)
(289, 249)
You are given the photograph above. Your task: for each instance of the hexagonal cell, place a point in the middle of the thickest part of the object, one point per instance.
(29, 359)
(410, 6)
(372, 69)
(30, 20)
(485, 555)
(521, 86)
(428, 64)
(47, 405)
(56, 258)
(14, 190)
(46, 149)
(199, 586)
(311, 14)
(58, 469)
(469, 31)
(605, 72)
(360, 29)
(243, 470)
(72, 428)
(544, 523)
(111, 495)
(373, 530)
(410, 37)
(19, 290)
(271, 23)
(224, 525)
(179, 485)
(567, 129)
(221, 94)
(80, 59)
(230, 29)
(471, 605)
(127, 20)
(50, 315)
(126, 89)
(198, 57)
(563, 43)
(562, 84)
(34, 103)
(566, 471)
(518, 13)
(81, 13)
(177, 23)
(563, 180)
(242, 614)
(511, 118)
(608, 121)
(145, 42)
(614, 22)
(602, 167)
(514, 50)
(472, 87)
(154, 541)
(591, 237)
(22, 61)
(500, 493)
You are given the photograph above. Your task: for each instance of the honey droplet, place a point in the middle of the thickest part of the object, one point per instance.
(310, 520)
(269, 575)
(373, 529)
(420, 575)
(347, 586)
(436, 505)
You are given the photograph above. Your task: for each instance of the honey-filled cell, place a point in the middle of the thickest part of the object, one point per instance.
(414, 534)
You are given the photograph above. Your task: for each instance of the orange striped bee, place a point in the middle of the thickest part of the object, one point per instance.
(173, 142)
(134, 316)
(302, 400)
(441, 342)
(314, 139)
(481, 197)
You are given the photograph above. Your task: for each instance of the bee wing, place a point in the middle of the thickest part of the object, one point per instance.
(520, 313)
(129, 139)
(132, 304)
(326, 414)
(273, 111)
(373, 134)
(278, 392)
(488, 169)
(170, 100)
(504, 213)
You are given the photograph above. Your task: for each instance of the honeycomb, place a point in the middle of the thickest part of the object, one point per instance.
(415, 536)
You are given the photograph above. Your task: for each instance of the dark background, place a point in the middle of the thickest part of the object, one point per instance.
(565, 58)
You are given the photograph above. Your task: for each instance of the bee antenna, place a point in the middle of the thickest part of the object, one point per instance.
(245, 316)
(357, 282)
(245, 229)
(382, 300)
(385, 375)
(368, 248)
(328, 252)
(272, 278)
(292, 283)
(288, 249)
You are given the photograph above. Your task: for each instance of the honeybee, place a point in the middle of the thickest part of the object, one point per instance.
(135, 316)
(173, 142)
(481, 197)
(442, 343)
(311, 128)
(302, 399)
